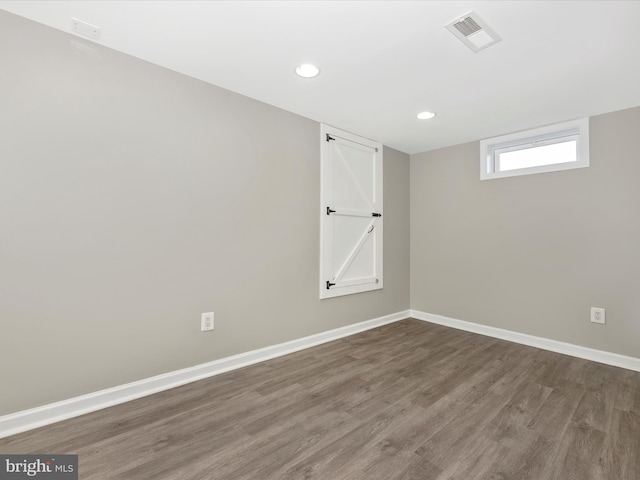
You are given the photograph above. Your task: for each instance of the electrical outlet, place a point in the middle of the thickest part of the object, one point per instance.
(597, 315)
(206, 322)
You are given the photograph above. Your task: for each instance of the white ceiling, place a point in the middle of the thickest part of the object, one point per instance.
(382, 62)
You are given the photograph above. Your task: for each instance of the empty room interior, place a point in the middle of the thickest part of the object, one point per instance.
(320, 240)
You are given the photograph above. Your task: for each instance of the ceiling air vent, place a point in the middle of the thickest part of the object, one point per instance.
(473, 32)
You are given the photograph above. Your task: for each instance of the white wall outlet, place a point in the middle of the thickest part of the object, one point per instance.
(206, 322)
(597, 315)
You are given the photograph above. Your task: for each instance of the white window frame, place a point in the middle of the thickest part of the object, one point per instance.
(491, 148)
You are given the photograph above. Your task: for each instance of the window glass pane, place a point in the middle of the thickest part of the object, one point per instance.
(538, 156)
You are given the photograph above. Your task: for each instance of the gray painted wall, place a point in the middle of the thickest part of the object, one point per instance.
(534, 253)
(133, 198)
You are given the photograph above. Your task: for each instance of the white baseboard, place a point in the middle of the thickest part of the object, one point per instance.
(47, 414)
(608, 358)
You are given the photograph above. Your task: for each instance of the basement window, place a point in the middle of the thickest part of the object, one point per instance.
(548, 149)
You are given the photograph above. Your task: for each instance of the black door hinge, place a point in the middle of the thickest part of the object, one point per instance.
(329, 211)
(329, 284)
(329, 138)
(376, 214)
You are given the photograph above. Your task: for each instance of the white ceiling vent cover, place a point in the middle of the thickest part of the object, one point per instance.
(474, 32)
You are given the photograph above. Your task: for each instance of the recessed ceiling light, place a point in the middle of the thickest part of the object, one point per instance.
(307, 70)
(425, 115)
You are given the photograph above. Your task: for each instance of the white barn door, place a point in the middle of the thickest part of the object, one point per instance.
(351, 214)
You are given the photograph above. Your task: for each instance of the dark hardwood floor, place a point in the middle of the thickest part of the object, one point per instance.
(409, 400)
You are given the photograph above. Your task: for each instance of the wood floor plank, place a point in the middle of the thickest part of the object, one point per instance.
(582, 453)
(636, 402)
(471, 420)
(625, 396)
(408, 400)
(620, 458)
(595, 409)
(345, 454)
(506, 428)
(484, 455)
(417, 468)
